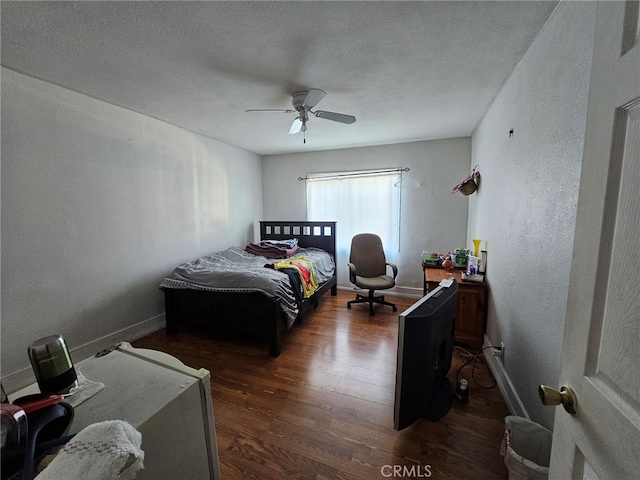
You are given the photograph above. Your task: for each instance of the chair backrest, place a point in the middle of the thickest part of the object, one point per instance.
(367, 255)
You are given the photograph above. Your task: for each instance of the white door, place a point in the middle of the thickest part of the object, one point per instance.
(601, 347)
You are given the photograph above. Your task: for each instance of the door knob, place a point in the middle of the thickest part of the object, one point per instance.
(566, 397)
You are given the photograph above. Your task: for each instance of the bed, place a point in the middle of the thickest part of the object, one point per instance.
(251, 308)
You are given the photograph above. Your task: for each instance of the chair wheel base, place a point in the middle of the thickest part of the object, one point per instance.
(371, 299)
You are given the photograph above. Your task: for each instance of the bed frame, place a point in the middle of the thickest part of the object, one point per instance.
(251, 312)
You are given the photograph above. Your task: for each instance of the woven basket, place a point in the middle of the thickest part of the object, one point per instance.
(468, 187)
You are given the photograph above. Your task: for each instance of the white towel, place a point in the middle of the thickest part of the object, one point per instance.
(102, 451)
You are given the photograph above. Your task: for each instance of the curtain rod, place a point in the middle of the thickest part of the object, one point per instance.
(352, 174)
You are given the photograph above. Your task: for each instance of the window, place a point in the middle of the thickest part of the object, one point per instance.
(361, 202)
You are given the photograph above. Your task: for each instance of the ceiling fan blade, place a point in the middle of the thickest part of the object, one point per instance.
(313, 97)
(295, 126)
(270, 110)
(336, 117)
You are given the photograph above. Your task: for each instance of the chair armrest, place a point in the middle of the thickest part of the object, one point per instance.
(352, 272)
(394, 268)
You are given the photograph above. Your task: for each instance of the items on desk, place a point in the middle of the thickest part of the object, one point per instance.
(447, 264)
(458, 258)
(476, 264)
(473, 270)
(482, 268)
(431, 258)
(472, 265)
(476, 247)
(478, 278)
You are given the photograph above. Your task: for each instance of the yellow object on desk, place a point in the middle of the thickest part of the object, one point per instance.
(476, 247)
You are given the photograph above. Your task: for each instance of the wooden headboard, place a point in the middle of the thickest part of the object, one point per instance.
(309, 234)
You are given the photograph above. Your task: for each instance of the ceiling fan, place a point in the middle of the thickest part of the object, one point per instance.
(303, 102)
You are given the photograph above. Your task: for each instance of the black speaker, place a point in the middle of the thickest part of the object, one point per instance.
(52, 365)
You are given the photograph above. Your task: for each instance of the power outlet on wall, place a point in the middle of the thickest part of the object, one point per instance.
(499, 351)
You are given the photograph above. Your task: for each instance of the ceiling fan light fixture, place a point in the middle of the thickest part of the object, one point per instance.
(295, 126)
(303, 102)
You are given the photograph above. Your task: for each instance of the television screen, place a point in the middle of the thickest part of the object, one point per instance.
(425, 349)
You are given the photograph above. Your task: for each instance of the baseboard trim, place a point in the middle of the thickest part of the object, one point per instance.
(22, 378)
(509, 394)
(405, 292)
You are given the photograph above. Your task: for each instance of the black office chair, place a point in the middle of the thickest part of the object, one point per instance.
(368, 270)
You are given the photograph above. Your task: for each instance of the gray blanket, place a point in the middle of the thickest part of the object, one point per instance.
(235, 270)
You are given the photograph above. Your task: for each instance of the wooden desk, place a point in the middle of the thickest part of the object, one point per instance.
(471, 313)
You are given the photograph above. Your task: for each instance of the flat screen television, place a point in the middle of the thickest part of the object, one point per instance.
(425, 350)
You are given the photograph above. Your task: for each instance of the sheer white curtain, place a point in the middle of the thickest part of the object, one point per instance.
(360, 203)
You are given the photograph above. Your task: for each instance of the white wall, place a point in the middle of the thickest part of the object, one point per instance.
(431, 218)
(98, 205)
(526, 206)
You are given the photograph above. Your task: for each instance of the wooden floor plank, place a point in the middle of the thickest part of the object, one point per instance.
(323, 409)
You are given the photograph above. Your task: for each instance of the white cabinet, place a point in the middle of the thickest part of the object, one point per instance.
(166, 401)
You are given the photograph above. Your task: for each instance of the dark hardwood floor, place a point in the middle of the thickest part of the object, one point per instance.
(324, 408)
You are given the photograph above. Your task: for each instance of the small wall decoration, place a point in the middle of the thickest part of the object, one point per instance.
(468, 185)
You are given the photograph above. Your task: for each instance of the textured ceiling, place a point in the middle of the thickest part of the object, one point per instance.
(407, 70)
